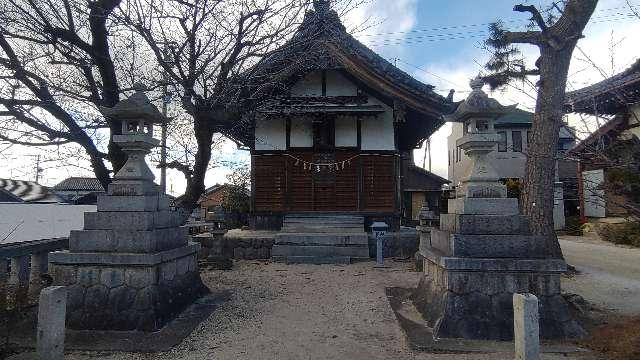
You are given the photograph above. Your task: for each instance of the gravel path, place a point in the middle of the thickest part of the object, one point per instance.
(300, 312)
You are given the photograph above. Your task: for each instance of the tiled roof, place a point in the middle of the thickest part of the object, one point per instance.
(608, 95)
(79, 184)
(322, 42)
(28, 191)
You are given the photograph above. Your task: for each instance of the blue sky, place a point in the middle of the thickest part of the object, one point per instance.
(438, 42)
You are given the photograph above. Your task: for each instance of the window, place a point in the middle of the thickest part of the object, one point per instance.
(516, 137)
(502, 142)
(323, 134)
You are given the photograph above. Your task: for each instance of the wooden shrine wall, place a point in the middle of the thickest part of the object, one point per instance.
(285, 183)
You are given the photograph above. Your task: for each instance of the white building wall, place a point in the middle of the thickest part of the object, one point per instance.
(301, 134)
(377, 132)
(310, 85)
(25, 222)
(594, 200)
(346, 131)
(271, 134)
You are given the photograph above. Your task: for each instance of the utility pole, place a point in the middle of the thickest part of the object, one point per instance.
(163, 143)
(38, 168)
(427, 149)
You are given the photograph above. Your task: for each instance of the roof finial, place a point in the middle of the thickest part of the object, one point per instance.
(322, 6)
(477, 83)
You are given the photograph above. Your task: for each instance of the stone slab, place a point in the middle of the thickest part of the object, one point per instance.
(52, 310)
(320, 251)
(526, 327)
(487, 246)
(492, 264)
(132, 203)
(322, 238)
(484, 206)
(131, 220)
(316, 260)
(484, 224)
(69, 258)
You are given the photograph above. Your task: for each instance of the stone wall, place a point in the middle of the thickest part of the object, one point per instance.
(133, 298)
(236, 244)
(402, 244)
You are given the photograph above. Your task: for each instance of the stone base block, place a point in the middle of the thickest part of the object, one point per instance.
(133, 203)
(485, 224)
(487, 246)
(484, 206)
(132, 220)
(128, 297)
(473, 304)
(127, 241)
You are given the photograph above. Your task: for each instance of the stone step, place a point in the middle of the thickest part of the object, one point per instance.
(322, 229)
(484, 224)
(487, 246)
(317, 260)
(307, 238)
(320, 251)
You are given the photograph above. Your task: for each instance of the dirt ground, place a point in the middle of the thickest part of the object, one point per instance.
(302, 312)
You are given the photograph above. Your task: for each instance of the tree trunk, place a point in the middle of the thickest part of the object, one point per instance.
(538, 195)
(195, 183)
(556, 49)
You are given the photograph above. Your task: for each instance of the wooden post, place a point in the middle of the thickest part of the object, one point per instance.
(39, 266)
(18, 282)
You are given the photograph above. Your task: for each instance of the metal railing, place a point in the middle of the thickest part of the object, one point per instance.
(22, 266)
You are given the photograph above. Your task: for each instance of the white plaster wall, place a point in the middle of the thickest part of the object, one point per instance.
(594, 201)
(40, 221)
(310, 85)
(301, 134)
(346, 131)
(377, 133)
(271, 134)
(338, 85)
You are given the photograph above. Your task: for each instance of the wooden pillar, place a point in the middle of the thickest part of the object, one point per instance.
(39, 266)
(18, 282)
(4, 277)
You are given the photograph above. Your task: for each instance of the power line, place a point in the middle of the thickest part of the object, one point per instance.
(466, 26)
(469, 34)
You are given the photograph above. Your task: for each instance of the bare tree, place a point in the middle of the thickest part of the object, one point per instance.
(556, 39)
(61, 61)
(56, 67)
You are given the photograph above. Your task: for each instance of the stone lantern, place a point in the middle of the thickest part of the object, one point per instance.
(483, 251)
(137, 116)
(132, 266)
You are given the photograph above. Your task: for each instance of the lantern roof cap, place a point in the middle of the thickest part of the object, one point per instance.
(477, 104)
(135, 107)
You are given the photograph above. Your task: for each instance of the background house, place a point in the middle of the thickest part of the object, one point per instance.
(609, 157)
(30, 211)
(79, 190)
(509, 161)
(224, 204)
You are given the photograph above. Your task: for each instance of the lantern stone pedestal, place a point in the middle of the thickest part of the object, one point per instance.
(483, 251)
(131, 267)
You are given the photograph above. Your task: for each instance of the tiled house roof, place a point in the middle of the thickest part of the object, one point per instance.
(79, 184)
(28, 191)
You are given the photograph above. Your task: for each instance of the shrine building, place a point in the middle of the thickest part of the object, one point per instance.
(336, 130)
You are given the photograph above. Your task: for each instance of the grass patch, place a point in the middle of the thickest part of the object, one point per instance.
(625, 233)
